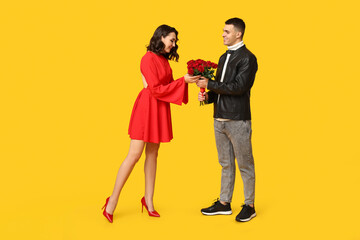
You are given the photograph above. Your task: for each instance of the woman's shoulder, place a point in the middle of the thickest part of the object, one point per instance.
(151, 57)
(148, 58)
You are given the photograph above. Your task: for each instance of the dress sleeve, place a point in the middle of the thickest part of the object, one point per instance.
(174, 92)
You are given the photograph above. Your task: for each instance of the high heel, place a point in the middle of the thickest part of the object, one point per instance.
(105, 213)
(151, 214)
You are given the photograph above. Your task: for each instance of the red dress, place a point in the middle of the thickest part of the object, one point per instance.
(151, 118)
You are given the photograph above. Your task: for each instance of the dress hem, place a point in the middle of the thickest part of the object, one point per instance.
(149, 141)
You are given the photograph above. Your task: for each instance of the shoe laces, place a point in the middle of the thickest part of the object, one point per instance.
(246, 206)
(215, 201)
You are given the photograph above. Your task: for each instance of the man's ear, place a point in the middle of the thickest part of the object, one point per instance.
(239, 35)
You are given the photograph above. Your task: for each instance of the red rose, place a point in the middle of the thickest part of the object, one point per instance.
(199, 62)
(191, 71)
(201, 68)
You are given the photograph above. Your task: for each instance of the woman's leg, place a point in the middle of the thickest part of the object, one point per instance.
(151, 152)
(135, 151)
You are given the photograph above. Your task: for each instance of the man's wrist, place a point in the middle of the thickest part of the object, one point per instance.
(208, 85)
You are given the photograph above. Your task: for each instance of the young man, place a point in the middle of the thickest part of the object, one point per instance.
(230, 94)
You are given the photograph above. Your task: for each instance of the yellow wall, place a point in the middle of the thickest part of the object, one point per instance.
(69, 73)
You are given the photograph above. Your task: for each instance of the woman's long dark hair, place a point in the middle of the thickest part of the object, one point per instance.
(157, 46)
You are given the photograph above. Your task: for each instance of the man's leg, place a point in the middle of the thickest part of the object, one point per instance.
(240, 136)
(227, 161)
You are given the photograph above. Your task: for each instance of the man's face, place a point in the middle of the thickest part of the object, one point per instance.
(231, 35)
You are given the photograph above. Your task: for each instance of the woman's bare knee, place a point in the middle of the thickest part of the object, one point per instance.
(135, 151)
(134, 157)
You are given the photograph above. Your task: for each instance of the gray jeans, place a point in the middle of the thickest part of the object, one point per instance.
(233, 140)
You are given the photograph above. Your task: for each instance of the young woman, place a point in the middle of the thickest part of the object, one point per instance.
(150, 122)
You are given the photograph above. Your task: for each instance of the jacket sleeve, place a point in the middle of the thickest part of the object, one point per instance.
(242, 83)
(211, 97)
(174, 92)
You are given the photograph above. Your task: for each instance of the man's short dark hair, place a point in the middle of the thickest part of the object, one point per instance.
(238, 23)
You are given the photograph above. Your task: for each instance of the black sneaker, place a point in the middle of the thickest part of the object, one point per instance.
(246, 213)
(217, 209)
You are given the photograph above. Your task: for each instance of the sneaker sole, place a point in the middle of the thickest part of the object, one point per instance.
(246, 219)
(218, 213)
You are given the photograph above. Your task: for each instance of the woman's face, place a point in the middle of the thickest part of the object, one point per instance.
(169, 42)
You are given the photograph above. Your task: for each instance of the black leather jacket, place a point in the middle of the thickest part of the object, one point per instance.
(234, 101)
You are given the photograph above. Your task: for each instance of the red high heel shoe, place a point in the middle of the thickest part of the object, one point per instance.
(151, 214)
(105, 213)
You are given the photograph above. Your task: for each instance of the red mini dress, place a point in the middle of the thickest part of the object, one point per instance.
(151, 117)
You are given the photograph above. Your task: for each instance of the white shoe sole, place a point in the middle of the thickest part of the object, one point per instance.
(218, 213)
(247, 219)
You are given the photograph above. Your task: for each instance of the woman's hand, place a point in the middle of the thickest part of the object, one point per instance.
(191, 79)
(203, 96)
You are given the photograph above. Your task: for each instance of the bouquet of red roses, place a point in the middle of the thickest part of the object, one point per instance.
(202, 68)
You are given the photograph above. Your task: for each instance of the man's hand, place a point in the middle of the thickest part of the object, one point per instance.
(202, 82)
(203, 96)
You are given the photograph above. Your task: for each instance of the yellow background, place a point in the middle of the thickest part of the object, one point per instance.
(69, 74)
